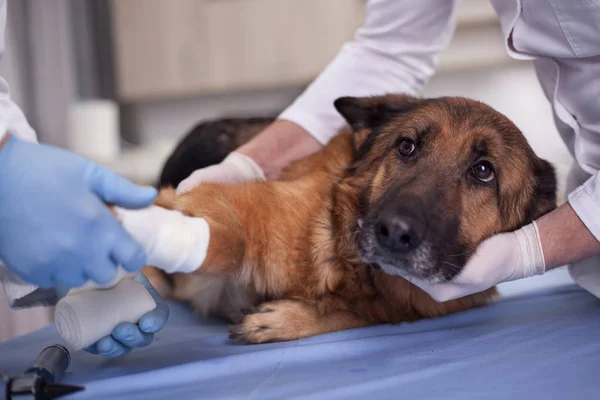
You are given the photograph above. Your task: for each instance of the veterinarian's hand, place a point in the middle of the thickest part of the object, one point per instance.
(55, 228)
(502, 258)
(235, 168)
(263, 157)
(126, 336)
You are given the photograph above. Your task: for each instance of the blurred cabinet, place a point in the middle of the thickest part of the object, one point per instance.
(176, 48)
(171, 55)
(167, 49)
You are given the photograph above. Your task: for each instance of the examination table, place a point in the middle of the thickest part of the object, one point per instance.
(540, 341)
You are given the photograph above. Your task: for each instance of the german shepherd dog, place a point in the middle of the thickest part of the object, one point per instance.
(411, 185)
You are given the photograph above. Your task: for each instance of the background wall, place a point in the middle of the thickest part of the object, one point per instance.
(166, 70)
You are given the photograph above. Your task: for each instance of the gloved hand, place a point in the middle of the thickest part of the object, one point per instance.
(127, 336)
(55, 228)
(502, 258)
(235, 168)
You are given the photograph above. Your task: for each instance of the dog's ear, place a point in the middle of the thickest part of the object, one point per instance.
(366, 114)
(544, 198)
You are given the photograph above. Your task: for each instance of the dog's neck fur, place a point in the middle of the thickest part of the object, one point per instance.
(333, 238)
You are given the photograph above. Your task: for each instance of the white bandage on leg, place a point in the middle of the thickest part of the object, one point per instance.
(173, 242)
(88, 314)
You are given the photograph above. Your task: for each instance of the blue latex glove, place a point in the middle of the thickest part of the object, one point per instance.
(55, 228)
(127, 336)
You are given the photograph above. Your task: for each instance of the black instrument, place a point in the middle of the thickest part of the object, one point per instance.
(41, 380)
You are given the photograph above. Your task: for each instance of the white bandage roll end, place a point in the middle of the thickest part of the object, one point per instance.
(84, 317)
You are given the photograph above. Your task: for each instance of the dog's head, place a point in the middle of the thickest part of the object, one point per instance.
(432, 178)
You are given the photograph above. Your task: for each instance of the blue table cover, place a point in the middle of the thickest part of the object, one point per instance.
(540, 341)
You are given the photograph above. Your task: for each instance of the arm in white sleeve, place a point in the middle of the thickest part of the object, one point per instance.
(585, 201)
(577, 92)
(12, 120)
(395, 51)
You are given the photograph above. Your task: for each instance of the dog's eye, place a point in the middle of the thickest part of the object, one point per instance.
(406, 148)
(483, 171)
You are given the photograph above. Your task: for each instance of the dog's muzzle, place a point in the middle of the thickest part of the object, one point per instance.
(398, 237)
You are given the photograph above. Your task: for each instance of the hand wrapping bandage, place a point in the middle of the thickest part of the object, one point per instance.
(173, 242)
(89, 313)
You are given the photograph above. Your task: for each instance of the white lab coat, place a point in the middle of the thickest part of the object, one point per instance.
(12, 119)
(397, 49)
(14, 122)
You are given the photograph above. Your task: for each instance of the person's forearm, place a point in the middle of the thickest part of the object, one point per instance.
(565, 239)
(278, 145)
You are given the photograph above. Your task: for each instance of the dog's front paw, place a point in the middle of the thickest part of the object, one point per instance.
(276, 321)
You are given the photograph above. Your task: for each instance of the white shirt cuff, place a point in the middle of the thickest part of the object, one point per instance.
(319, 129)
(14, 287)
(585, 201)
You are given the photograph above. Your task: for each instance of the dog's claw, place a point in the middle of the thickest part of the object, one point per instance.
(267, 323)
(239, 334)
(234, 333)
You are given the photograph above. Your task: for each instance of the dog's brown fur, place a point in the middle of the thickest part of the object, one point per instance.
(292, 250)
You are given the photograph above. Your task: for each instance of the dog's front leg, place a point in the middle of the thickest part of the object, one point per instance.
(239, 245)
(216, 204)
(179, 240)
(291, 319)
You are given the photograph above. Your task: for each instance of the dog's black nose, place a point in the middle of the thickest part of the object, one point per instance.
(399, 233)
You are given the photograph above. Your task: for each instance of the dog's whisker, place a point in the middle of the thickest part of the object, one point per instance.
(452, 264)
(351, 235)
(461, 254)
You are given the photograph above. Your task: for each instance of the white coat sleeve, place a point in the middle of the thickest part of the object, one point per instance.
(20, 294)
(578, 88)
(12, 119)
(396, 50)
(585, 201)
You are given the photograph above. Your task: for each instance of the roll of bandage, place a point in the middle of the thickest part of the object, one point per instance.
(85, 316)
